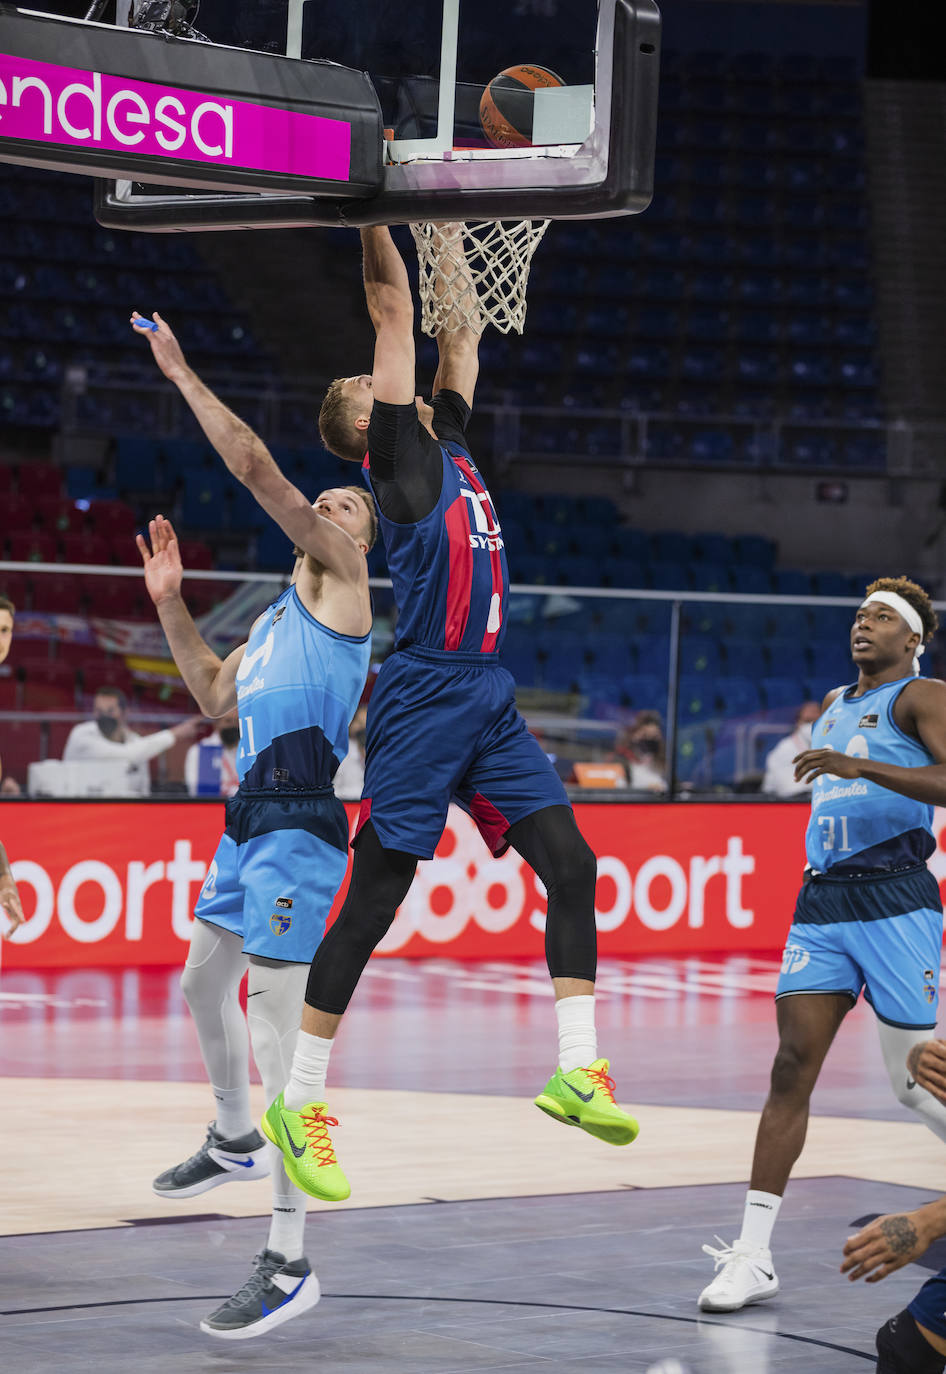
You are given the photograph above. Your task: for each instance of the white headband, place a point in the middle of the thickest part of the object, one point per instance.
(906, 612)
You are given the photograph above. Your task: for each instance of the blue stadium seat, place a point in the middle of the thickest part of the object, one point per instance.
(699, 654)
(645, 691)
(738, 696)
(744, 657)
(754, 549)
(710, 577)
(783, 691)
(696, 698)
(792, 582)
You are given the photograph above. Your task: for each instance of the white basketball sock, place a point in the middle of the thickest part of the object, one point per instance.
(577, 1039)
(274, 1005)
(309, 1070)
(287, 1228)
(759, 1218)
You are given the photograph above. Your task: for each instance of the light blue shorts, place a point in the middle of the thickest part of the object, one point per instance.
(894, 958)
(274, 889)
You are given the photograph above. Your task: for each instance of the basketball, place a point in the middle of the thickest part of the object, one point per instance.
(506, 105)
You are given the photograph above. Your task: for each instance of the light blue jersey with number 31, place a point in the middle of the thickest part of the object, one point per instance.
(850, 815)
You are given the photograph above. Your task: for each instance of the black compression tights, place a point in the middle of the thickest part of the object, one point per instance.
(549, 840)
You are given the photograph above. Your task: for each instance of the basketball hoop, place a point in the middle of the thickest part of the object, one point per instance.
(472, 275)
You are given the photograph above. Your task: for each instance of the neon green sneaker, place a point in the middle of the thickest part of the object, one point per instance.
(585, 1098)
(307, 1149)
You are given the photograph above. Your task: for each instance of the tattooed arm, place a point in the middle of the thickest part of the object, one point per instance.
(893, 1241)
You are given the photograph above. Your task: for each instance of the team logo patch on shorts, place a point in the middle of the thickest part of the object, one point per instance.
(929, 985)
(210, 882)
(279, 922)
(284, 902)
(794, 959)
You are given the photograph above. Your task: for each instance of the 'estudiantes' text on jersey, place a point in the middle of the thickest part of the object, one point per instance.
(448, 570)
(298, 687)
(851, 815)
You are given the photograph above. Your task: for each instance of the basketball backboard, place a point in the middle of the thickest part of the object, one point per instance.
(429, 63)
(318, 112)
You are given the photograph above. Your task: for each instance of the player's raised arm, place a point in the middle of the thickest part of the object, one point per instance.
(250, 461)
(458, 340)
(209, 679)
(391, 308)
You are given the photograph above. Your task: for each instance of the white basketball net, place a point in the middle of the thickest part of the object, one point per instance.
(472, 275)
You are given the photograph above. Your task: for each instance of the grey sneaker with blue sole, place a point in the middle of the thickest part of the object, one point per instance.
(276, 1291)
(217, 1161)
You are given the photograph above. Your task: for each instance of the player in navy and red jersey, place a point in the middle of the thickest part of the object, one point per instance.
(442, 720)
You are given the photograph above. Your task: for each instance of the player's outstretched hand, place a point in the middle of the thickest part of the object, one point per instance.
(165, 347)
(889, 1243)
(10, 904)
(926, 1064)
(162, 562)
(814, 762)
(190, 728)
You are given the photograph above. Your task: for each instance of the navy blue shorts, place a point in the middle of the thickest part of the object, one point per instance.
(275, 874)
(929, 1306)
(442, 728)
(882, 933)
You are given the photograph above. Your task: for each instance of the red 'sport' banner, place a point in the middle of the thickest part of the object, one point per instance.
(115, 883)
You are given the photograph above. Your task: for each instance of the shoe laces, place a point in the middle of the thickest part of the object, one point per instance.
(602, 1080)
(316, 1125)
(264, 1269)
(729, 1254)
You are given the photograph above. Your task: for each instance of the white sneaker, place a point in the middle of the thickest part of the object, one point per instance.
(746, 1276)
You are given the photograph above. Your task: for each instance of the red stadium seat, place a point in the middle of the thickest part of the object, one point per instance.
(85, 547)
(6, 479)
(119, 598)
(112, 673)
(113, 519)
(56, 593)
(39, 480)
(33, 546)
(47, 685)
(21, 745)
(9, 700)
(56, 514)
(18, 512)
(196, 555)
(15, 586)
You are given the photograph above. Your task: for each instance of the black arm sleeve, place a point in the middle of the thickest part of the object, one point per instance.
(451, 417)
(405, 461)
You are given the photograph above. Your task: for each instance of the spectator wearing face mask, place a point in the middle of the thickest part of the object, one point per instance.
(108, 739)
(642, 750)
(210, 768)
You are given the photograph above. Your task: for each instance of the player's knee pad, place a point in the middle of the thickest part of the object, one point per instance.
(275, 995)
(902, 1349)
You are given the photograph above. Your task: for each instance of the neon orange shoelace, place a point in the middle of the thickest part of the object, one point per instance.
(316, 1128)
(602, 1081)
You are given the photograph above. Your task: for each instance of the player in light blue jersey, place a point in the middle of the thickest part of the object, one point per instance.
(296, 683)
(869, 915)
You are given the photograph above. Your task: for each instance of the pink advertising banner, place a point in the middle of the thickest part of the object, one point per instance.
(45, 103)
